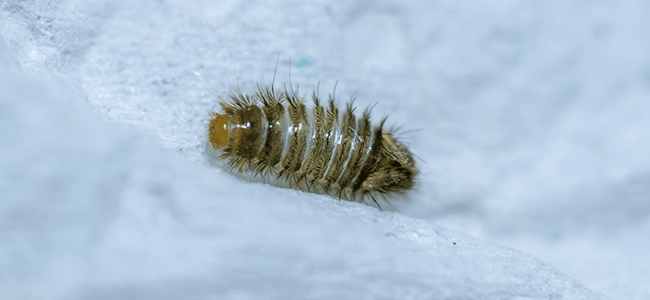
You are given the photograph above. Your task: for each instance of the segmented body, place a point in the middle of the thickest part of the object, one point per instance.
(322, 150)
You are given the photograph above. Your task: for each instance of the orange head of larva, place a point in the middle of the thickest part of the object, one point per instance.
(218, 131)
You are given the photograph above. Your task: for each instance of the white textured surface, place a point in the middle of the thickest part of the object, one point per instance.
(534, 135)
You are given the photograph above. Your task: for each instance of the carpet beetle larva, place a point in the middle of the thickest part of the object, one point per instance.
(323, 150)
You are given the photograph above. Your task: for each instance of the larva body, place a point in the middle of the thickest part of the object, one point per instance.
(322, 150)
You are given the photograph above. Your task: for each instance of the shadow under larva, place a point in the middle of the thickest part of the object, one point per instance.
(274, 136)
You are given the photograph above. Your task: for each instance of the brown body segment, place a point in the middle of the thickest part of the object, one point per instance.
(246, 130)
(371, 161)
(274, 111)
(299, 128)
(318, 137)
(342, 152)
(358, 152)
(325, 153)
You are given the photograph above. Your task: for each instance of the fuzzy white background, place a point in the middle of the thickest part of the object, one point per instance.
(530, 119)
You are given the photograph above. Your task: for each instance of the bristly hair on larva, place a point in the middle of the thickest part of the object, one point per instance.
(275, 137)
